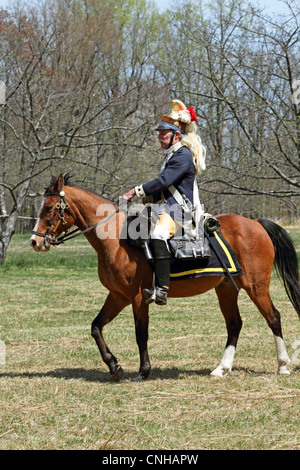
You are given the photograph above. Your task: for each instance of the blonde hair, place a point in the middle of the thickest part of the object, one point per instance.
(194, 143)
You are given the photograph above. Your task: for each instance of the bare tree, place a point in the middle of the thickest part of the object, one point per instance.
(79, 90)
(86, 82)
(238, 67)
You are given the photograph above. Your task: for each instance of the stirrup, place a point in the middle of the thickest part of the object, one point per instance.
(158, 295)
(149, 295)
(161, 295)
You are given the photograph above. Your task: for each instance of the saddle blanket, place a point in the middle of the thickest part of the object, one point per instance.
(220, 249)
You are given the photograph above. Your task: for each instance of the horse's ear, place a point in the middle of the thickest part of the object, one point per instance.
(60, 183)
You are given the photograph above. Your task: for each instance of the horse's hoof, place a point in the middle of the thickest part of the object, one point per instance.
(220, 372)
(283, 371)
(117, 375)
(283, 367)
(138, 378)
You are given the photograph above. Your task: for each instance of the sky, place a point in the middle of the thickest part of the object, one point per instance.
(272, 6)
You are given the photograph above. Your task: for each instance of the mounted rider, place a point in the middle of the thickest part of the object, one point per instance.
(175, 186)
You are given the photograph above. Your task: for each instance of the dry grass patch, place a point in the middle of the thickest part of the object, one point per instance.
(57, 394)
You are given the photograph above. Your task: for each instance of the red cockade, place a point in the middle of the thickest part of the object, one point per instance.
(191, 110)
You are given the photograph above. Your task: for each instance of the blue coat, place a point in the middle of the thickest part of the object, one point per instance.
(180, 172)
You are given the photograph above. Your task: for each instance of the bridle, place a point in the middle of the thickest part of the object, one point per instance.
(60, 208)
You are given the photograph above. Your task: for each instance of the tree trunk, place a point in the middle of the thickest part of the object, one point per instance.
(8, 229)
(9, 223)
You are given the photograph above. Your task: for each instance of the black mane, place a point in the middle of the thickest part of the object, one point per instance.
(52, 189)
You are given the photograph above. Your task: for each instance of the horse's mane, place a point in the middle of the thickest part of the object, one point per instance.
(52, 190)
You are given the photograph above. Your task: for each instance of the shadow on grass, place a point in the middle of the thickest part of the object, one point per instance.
(95, 375)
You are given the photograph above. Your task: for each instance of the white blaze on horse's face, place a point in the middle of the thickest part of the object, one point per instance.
(36, 242)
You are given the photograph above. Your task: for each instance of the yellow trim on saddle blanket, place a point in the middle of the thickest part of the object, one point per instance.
(232, 268)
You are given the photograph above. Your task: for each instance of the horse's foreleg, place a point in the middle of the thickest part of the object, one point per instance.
(227, 296)
(112, 306)
(141, 319)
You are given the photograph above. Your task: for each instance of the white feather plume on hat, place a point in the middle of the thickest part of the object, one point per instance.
(177, 105)
(180, 112)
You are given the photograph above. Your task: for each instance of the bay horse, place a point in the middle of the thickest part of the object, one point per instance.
(124, 270)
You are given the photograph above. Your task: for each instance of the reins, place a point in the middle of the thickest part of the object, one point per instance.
(63, 206)
(77, 232)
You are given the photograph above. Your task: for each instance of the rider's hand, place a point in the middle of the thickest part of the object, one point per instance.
(128, 196)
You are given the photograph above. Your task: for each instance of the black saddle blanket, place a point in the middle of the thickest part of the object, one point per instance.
(220, 249)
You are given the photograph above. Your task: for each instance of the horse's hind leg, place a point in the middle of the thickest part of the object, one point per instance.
(112, 306)
(227, 295)
(272, 316)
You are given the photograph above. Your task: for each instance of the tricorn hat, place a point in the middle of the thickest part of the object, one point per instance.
(179, 117)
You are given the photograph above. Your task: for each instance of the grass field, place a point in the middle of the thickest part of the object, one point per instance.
(57, 394)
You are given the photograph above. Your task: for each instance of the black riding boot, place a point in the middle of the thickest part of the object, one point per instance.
(161, 255)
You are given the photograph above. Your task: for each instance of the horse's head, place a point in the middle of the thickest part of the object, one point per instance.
(55, 216)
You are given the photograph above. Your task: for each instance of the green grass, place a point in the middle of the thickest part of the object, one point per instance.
(57, 394)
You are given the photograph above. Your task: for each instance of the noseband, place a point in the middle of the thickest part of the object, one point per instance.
(60, 208)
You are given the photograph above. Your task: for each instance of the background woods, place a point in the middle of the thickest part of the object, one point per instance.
(87, 80)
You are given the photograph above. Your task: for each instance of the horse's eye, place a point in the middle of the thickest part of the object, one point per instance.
(49, 208)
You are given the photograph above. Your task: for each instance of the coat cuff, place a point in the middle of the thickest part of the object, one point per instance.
(139, 191)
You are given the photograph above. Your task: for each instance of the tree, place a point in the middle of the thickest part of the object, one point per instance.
(87, 81)
(78, 75)
(238, 67)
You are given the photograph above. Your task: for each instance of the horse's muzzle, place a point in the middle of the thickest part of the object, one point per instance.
(39, 243)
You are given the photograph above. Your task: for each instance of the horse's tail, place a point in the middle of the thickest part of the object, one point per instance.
(286, 260)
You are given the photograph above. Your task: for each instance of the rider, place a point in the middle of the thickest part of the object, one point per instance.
(184, 159)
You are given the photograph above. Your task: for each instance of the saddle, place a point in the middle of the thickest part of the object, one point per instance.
(213, 256)
(182, 245)
(187, 247)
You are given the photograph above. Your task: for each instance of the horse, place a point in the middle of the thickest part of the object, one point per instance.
(124, 271)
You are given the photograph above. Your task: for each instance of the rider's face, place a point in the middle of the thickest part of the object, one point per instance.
(164, 137)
